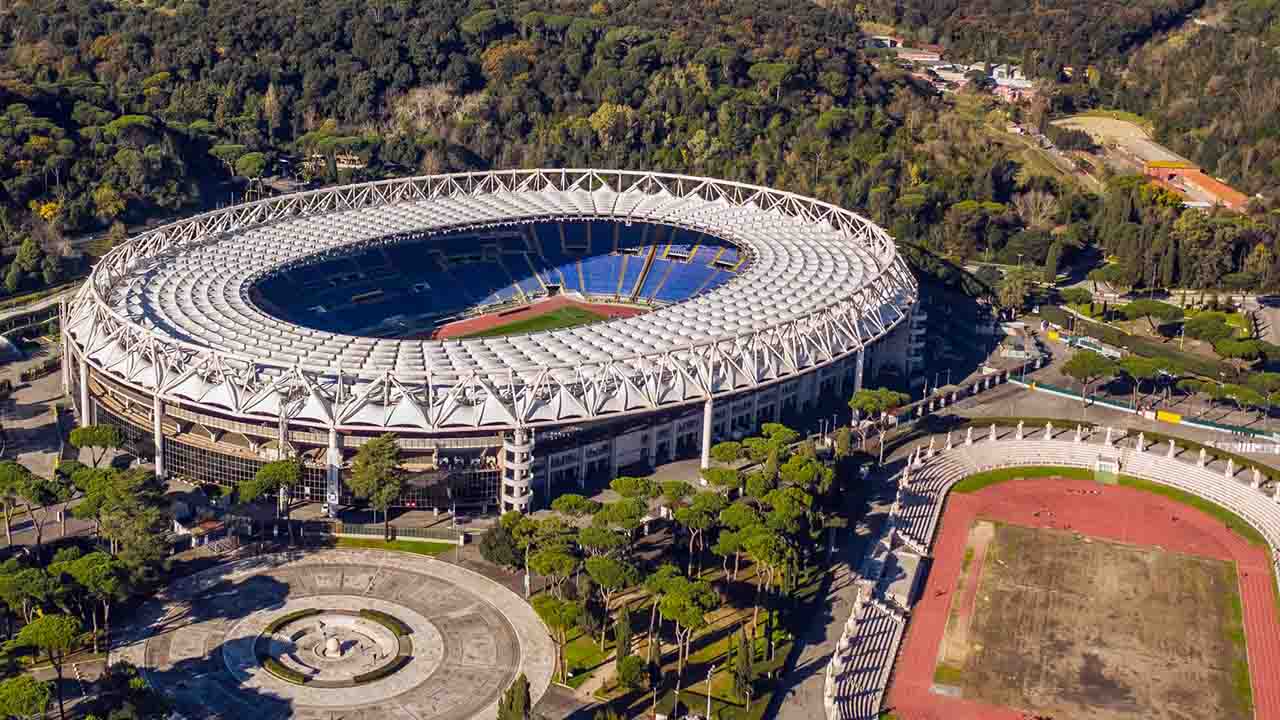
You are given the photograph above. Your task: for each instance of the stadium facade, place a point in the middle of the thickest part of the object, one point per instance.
(302, 326)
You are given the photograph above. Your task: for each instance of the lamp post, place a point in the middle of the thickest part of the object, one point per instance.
(709, 674)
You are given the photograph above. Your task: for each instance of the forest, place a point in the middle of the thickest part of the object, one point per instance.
(1213, 92)
(1043, 36)
(116, 114)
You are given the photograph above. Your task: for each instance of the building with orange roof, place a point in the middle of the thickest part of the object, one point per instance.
(1188, 180)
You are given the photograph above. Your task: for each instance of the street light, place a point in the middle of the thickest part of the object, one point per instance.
(709, 674)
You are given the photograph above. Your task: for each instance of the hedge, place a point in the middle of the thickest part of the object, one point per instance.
(287, 618)
(378, 673)
(389, 622)
(289, 675)
(1179, 361)
(45, 368)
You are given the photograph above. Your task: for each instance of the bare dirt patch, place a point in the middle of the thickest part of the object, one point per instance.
(1072, 626)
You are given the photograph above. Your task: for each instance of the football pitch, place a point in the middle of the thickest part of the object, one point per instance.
(564, 317)
(1066, 625)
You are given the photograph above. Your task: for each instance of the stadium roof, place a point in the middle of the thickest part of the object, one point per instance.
(171, 307)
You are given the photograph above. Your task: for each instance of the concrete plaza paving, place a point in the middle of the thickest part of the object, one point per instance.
(471, 637)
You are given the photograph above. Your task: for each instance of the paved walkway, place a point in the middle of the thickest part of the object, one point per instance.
(801, 688)
(191, 640)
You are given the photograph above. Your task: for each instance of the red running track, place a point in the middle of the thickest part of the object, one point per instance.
(1104, 511)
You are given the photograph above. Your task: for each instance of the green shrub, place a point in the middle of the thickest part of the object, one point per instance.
(378, 673)
(287, 674)
(387, 621)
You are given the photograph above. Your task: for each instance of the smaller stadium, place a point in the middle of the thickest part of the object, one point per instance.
(1071, 574)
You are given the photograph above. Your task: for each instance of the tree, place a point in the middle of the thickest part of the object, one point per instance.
(779, 435)
(772, 552)
(55, 636)
(516, 704)
(499, 547)
(635, 487)
(1014, 289)
(1211, 327)
(698, 517)
(98, 439)
(873, 408)
(22, 696)
(560, 616)
(675, 492)
(106, 580)
(1087, 367)
(1076, 296)
(13, 479)
(1240, 354)
(686, 603)
(36, 494)
(726, 452)
(843, 442)
(622, 636)
(742, 671)
(656, 584)
(251, 165)
(277, 478)
(376, 475)
(611, 576)
(554, 564)
(1139, 370)
(600, 541)
(631, 672)
(1152, 310)
(722, 477)
(574, 505)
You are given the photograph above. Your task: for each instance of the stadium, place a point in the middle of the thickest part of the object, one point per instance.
(518, 331)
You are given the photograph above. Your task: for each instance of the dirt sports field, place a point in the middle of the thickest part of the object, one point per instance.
(549, 314)
(1070, 599)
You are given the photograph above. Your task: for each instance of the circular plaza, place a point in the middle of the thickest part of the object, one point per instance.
(363, 634)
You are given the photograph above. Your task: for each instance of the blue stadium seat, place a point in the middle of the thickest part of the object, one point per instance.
(601, 274)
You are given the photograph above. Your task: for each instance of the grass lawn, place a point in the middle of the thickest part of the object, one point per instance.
(977, 481)
(1093, 311)
(947, 675)
(554, 320)
(1235, 635)
(420, 548)
(582, 655)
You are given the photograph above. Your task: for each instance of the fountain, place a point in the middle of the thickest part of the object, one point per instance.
(332, 648)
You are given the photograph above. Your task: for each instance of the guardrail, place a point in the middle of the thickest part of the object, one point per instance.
(360, 530)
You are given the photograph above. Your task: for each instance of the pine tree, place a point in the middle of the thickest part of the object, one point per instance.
(515, 701)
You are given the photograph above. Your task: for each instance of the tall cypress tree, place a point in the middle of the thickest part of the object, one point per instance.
(516, 703)
(622, 636)
(742, 669)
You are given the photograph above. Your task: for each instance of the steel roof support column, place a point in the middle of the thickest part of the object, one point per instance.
(333, 478)
(857, 371)
(66, 346)
(157, 415)
(708, 410)
(86, 417)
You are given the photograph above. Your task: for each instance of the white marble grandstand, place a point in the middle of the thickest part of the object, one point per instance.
(167, 334)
